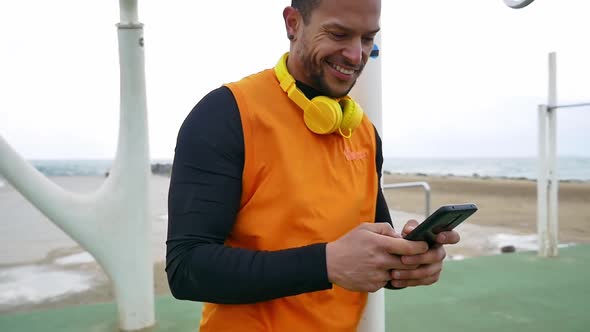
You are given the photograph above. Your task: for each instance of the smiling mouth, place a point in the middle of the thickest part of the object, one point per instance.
(341, 69)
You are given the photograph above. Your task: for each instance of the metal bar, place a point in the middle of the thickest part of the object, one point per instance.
(411, 185)
(552, 88)
(569, 105)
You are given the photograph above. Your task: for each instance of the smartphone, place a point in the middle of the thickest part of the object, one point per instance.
(443, 219)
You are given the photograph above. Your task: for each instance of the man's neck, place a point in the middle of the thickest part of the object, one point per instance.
(307, 90)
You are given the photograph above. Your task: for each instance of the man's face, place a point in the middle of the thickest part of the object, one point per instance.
(333, 48)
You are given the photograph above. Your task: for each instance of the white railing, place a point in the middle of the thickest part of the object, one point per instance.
(424, 185)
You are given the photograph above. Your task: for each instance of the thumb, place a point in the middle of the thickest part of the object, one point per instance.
(384, 228)
(409, 227)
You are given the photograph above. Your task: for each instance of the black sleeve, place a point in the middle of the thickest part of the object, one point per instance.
(203, 201)
(382, 211)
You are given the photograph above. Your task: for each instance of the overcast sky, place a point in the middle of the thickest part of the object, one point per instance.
(461, 78)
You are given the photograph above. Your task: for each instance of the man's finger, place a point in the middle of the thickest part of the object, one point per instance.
(423, 272)
(415, 282)
(394, 262)
(382, 228)
(409, 226)
(400, 246)
(434, 255)
(450, 237)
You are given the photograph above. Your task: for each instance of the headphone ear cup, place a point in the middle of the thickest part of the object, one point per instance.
(323, 115)
(352, 115)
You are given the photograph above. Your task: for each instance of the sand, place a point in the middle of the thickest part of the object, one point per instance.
(506, 208)
(503, 203)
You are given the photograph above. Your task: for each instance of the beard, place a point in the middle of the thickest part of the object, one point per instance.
(318, 78)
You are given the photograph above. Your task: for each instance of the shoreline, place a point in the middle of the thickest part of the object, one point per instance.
(475, 176)
(164, 168)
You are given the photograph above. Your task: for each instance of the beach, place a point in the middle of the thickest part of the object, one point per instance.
(504, 203)
(36, 256)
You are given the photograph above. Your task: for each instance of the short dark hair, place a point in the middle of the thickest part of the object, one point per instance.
(305, 7)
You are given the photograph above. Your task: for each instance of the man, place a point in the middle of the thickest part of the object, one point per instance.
(276, 216)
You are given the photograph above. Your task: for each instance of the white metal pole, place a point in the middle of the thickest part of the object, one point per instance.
(128, 11)
(368, 93)
(552, 213)
(542, 182)
(368, 90)
(130, 173)
(553, 218)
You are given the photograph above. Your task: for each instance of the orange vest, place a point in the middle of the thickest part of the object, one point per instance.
(298, 188)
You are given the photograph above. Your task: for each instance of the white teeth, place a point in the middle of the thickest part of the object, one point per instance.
(343, 70)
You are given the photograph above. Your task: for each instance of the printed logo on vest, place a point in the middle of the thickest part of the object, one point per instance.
(355, 155)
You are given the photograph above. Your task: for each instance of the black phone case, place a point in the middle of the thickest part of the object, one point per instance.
(444, 218)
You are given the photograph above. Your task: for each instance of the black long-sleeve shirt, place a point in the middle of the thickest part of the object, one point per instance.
(203, 202)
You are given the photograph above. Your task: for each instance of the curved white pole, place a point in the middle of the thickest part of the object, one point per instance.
(517, 4)
(113, 222)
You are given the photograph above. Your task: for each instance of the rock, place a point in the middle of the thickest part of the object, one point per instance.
(508, 249)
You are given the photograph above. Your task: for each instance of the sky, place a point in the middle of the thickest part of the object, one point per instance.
(461, 78)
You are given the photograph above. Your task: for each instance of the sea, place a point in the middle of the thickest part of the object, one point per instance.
(568, 168)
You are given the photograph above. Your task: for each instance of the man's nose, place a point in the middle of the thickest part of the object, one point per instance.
(353, 52)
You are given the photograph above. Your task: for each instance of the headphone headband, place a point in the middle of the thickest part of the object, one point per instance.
(288, 85)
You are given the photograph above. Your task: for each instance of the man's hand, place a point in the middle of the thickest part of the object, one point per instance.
(429, 263)
(363, 258)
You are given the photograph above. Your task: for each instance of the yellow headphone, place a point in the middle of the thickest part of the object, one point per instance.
(322, 115)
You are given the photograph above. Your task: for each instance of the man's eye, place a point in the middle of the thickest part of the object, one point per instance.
(337, 35)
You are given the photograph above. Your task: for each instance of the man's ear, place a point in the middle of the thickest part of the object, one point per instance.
(293, 20)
